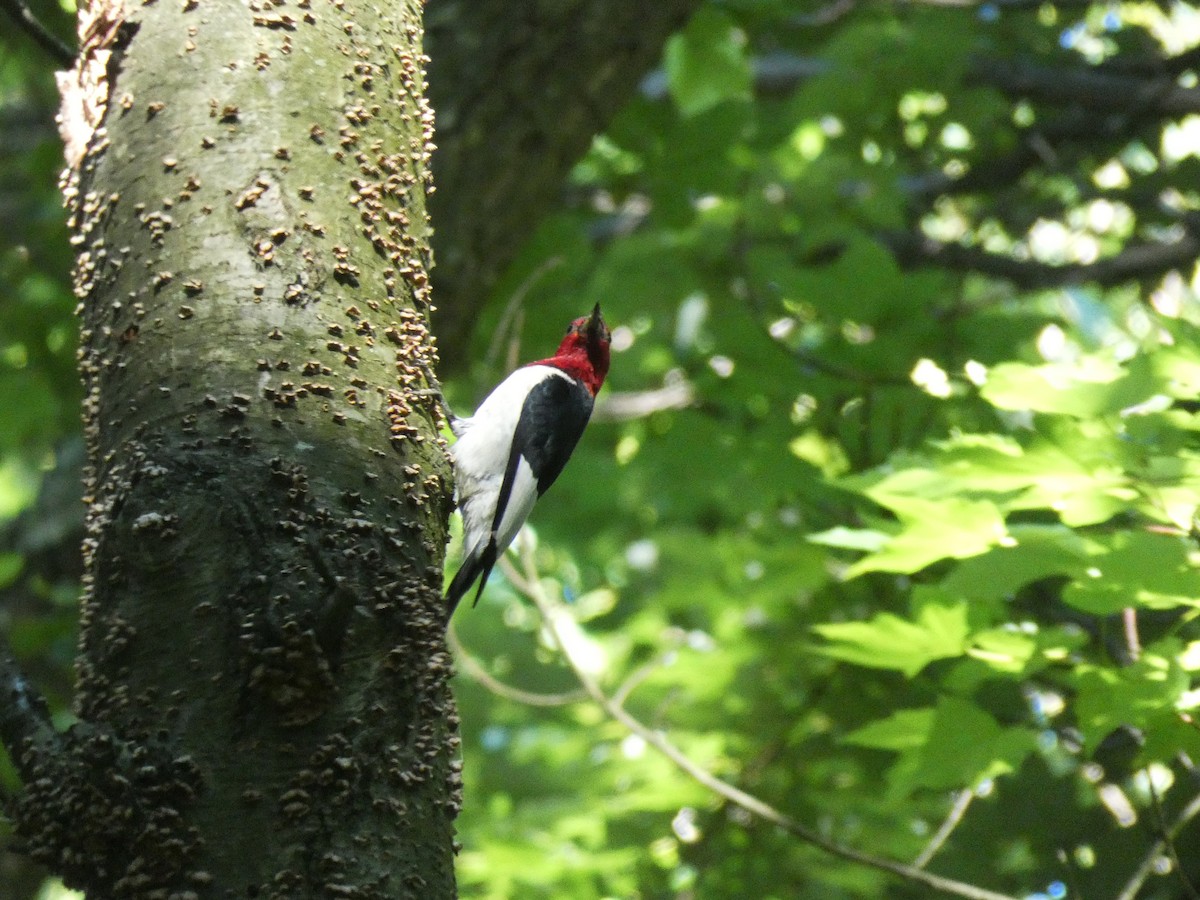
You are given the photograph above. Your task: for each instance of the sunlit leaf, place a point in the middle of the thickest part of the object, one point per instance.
(1136, 568)
(1090, 386)
(934, 530)
(1138, 696)
(965, 745)
(851, 538)
(904, 729)
(888, 641)
(706, 63)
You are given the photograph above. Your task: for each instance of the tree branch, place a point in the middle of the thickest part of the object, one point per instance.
(1044, 143)
(626, 406)
(528, 582)
(25, 727)
(1137, 261)
(1189, 812)
(1092, 88)
(531, 82)
(1161, 821)
(28, 23)
(476, 671)
(958, 809)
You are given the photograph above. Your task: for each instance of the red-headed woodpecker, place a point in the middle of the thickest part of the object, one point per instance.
(509, 453)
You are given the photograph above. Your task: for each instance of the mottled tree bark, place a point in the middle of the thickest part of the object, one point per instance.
(262, 677)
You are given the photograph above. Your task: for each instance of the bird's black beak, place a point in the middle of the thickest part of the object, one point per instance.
(595, 325)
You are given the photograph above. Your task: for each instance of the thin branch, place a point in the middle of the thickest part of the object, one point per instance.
(628, 405)
(772, 74)
(474, 668)
(510, 317)
(551, 615)
(1189, 812)
(1160, 820)
(1091, 88)
(1133, 642)
(25, 727)
(621, 695)
(958, 809)
(1132, 263)
(826, 15)
(29, 23)
(1044, 143)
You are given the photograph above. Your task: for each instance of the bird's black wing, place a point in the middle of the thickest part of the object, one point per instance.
(550, 426)
(551, 422)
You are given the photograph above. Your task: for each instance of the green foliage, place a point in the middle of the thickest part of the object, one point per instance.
(706, 63)
(939, 630)
(39, 384)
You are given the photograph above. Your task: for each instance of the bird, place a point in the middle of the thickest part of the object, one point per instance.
(518, 441)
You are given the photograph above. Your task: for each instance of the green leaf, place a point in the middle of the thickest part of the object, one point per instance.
(818, 451)
(1076, 475)
(11, 565)
(905, 729)
(1136, 568)
(965, 746)
(706, 64)
(1003, 649)
(1039, 551)
(1179, 367)
(890, 642)
(1089, 386)
(932, 530)
(1142, 695)
(851, 538)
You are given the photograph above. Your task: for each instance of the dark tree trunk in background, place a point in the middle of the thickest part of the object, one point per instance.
(262, 679)
(520, 89)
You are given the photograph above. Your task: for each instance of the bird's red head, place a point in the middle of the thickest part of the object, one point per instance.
(583, 353)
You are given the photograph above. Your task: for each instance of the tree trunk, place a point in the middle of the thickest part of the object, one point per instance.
(521, 89)
(262, 677)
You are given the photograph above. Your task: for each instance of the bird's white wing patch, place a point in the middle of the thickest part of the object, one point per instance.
(483, 447)
(481, 457)
(520, 504)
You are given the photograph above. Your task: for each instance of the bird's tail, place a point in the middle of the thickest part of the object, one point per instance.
(476, 564)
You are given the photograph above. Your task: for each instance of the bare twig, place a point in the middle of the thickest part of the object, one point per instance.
(637, 676)
(528, 582)
(629, 405)
(1189, 812)
(958, 809)
(826, 15)
(1160, 821)
(29, 23)
(476, 671)
(509, 319)
(1133, 643)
